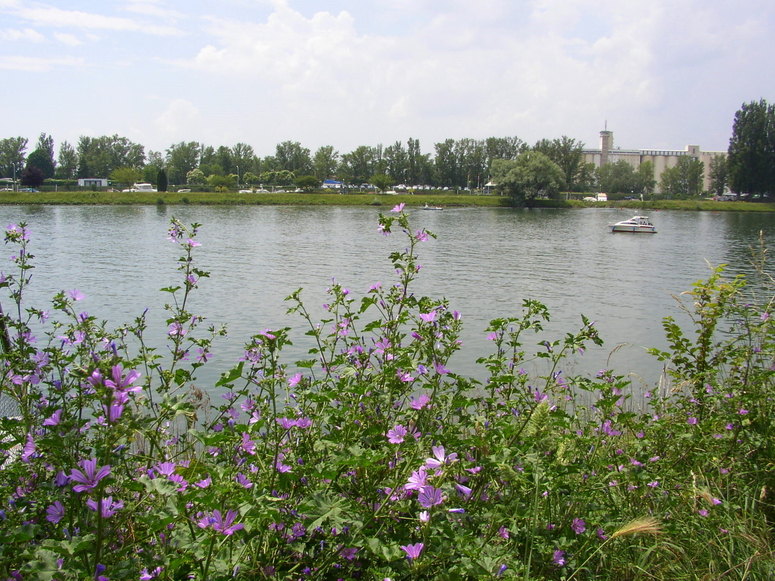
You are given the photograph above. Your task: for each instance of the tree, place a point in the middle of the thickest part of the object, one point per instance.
(307, 183)
(153, 165)
(243, 158)
(220, 183)
(196, 177)
(718, 175)
(181, 158)
(471, 161)
(396, 162)
(419, 166)
(528, 177)
(250, 178)
(325, 162)
(751, 154)
(12, 156)
(125, 176)
(445, 166)
(98, 156)
(358, 165)
(381, 181)
(67, 166)
(502, 148)
(161, 181)
(31, 177)
(42, 156)
(618, 177)
(645, 178)
(684, 179)
(568, 154)
(291, 156)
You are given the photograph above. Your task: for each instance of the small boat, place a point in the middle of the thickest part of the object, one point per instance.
(635, 224)
(427, 207)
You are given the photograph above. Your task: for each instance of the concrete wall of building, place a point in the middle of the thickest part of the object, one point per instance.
(661, 159)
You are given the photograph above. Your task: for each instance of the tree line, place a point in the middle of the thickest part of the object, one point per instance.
(520, 170)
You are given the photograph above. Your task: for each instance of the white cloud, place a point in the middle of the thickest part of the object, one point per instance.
(45, 15)
(68, 39)
(37, 64)
(151, 8)
(25, 35)
(178, 120)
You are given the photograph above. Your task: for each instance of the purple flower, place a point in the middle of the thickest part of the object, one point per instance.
(396, 434)
(107, 508)
(90, 476)
(429, 496)
(53, 419)
(166, 468)
(558, 558)
(146, 575)
(578, 526)
(440, 369)
(204, 483)
(76, 295)
(417, 480)
(439, 458)
(420, 402)
(413, 551)
(221, 523)
(399, 208)
(294, 381)
(248, 445)
(55, 512)
(243, 480)
(120, 382)
(464, 491)
(428, 317)
(29, 449)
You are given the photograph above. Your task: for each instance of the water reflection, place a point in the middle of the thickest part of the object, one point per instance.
(485, 262)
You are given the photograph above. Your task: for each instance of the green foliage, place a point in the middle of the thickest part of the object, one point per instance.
(684, 180)
(307, 183)
(751, 155)
(373, 458)
(532, 175)
(618, 177)
(161, 180)
(196, 177)
(719, 172)
(126, 176)
(99, 156)
(381, 181)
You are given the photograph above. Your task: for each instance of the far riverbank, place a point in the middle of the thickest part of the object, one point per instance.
(335, 199)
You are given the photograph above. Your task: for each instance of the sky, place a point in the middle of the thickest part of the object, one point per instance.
(660, 74)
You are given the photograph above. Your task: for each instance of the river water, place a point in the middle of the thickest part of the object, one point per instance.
(485, 261)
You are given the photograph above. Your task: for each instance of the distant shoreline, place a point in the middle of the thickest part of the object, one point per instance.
(326, 199)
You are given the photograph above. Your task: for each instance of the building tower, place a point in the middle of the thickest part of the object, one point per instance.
(606, 144)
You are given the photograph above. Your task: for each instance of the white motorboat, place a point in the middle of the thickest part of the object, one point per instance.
(635, 224)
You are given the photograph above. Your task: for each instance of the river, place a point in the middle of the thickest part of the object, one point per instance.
(485, 261)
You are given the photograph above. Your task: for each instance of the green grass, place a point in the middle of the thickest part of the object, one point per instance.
(232, 198)
(335, 199)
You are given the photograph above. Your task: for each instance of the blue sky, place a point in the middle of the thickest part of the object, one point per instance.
(662, 73)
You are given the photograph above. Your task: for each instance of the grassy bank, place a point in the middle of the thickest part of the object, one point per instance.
(333, 199)
(233, 198)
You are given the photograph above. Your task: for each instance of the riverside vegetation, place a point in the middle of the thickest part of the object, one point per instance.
(357, 199)
(373, 459)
